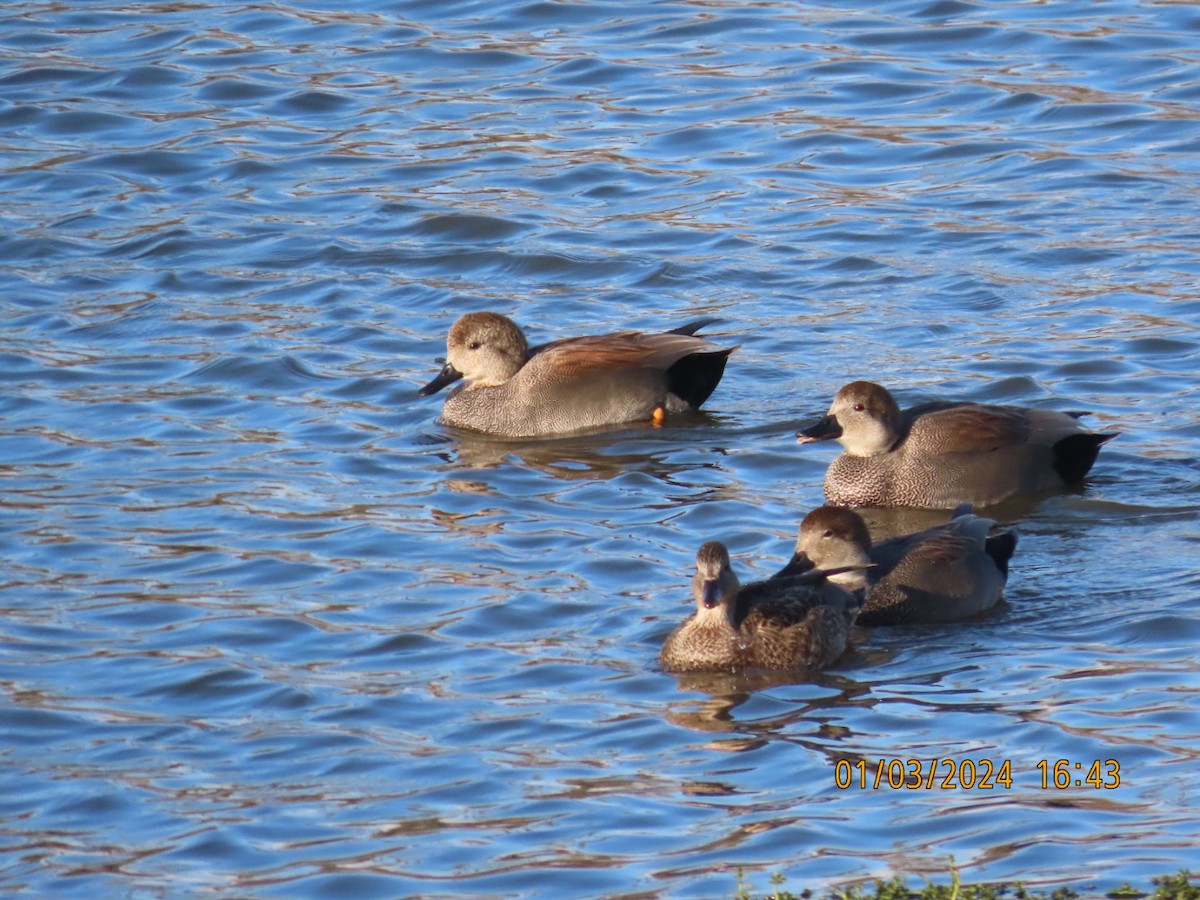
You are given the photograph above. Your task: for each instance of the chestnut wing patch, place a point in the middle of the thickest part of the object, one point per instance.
(944, 548)
(969, 427)
(576, 357)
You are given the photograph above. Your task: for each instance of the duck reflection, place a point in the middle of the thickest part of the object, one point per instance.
(885, 522)
(726, 692)
(589, 455)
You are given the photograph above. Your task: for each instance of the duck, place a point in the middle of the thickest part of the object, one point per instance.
(938, 455)
(792, 620)
(947, 573)
(573, 384)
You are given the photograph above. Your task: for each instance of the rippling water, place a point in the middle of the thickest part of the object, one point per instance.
(266, 630)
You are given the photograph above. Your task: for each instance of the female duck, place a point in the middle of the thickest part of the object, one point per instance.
(571, 384)
(792, 620)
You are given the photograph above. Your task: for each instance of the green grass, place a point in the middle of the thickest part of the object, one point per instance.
(1169, 887)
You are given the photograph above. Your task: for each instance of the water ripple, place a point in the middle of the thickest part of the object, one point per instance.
(267, 629)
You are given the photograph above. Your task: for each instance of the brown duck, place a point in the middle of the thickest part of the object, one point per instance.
(792, 620)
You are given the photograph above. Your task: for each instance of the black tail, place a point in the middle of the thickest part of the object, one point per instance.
(693, 378)
(692, 327)
(1075, 454)
(1000, 547)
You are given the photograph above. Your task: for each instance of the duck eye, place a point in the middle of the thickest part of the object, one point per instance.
(828, 532)
(858, 407)
(474, 345)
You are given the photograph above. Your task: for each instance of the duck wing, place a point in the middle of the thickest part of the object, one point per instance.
(781, 598)
(966, 427)
(583, 356)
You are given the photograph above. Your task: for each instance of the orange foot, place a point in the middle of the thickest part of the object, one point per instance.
(658, 417)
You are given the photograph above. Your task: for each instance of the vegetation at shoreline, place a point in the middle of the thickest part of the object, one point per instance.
(1169, 887)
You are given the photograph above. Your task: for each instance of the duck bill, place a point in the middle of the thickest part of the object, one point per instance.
(710, 593)
(843, 570)
(799, 564)
(825, 429)
(448, 375)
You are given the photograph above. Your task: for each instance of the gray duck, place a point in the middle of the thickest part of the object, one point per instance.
(943, 574)
(572, 384)
(940, 454)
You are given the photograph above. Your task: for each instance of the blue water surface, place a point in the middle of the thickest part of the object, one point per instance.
(268, 630)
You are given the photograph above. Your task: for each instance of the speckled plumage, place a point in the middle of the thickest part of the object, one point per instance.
(572, 384)
(793, 620)
(938, 455)
(942, 574)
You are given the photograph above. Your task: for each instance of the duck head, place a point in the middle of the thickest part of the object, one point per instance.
(484, 348)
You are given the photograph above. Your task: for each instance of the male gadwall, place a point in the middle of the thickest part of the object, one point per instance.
(943, 574)
(572, 384)
(938, 455)
(792, 620)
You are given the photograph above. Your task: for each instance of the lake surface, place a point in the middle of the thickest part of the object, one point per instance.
(268, 630)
